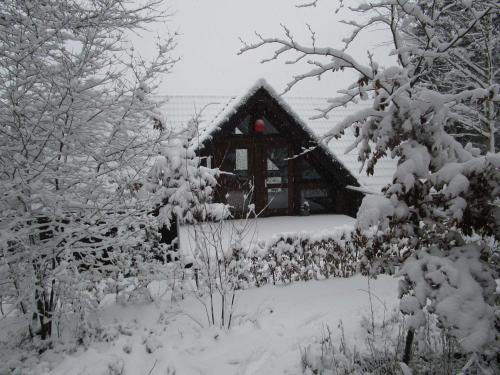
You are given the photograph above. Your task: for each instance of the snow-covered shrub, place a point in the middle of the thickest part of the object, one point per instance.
(285, 254)
(287, 258)
(458, 288)
(258, 269)
(238, 267)
(222, 267)
(436, 353)
(305, 256)
(379, 252)
(179, 185)
(336, 355)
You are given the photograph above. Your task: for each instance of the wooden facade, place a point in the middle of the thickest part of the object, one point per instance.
(261, 150)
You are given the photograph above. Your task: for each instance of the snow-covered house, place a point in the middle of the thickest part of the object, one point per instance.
(268, 145)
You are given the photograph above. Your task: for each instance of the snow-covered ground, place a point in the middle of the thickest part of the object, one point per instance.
(270, 326)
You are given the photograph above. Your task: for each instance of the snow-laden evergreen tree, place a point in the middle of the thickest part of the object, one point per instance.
(181, 185)
(76, 143)
(443, 203)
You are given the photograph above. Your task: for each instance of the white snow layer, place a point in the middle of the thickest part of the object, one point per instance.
(271, 325)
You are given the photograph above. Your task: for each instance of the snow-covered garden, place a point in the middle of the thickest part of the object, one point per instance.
(273, 326)
(93, 179)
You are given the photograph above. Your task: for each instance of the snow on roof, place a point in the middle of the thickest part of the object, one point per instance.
(214, 110)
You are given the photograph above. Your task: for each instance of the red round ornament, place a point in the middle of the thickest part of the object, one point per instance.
(260, 126)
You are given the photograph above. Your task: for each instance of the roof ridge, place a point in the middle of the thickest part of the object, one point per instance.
(166, 96)
(228, 95)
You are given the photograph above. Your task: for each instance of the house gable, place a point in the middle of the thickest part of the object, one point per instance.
(312, 173)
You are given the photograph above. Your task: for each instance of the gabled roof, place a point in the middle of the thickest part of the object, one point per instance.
(215, 110)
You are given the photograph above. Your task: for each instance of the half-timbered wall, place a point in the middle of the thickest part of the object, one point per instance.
(271, 169)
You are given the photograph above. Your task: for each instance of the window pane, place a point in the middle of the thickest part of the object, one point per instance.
(277, 198)
(241, 159)
(236, 161)
(243, 127)
(277, 166)
(270, 129)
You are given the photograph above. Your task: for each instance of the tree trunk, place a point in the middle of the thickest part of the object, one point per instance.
(44, 316)
(488, 106)
(408, 344)
(45, 310)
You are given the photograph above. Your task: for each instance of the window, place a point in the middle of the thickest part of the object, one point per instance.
(243, 127)
(236, 162)
(241, 159)
(277, 166)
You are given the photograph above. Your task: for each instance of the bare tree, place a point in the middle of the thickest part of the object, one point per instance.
(220, 249)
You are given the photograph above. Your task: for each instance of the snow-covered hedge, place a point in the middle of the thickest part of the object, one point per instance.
(289, 257)
(305, 256)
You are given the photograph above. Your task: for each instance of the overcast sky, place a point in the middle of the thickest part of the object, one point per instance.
(209, 42)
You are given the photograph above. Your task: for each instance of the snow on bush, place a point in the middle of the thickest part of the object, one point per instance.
(458, 288)
(305, 256)
(290, 257)
(383, 344)
(180, 185)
